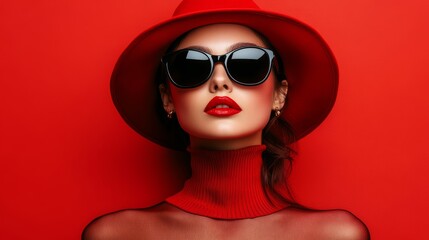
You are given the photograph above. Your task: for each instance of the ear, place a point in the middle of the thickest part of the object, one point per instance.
(280, 95)
(166, 98)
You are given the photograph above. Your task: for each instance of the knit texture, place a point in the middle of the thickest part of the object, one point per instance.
(226, 185)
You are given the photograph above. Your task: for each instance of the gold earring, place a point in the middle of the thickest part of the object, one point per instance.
(170, 114)
(277, 112)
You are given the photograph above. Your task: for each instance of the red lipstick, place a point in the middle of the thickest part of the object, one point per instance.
(222, 107)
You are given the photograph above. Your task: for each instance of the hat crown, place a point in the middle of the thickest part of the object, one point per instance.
(192, 6)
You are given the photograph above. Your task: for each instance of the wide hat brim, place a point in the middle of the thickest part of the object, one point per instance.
(309, 64)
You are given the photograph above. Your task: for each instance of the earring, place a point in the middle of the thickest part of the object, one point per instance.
(170, 114)
(277, 112)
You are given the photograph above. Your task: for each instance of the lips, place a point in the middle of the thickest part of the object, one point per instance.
(222, 107)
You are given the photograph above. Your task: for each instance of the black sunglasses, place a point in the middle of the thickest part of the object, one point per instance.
(248, 66)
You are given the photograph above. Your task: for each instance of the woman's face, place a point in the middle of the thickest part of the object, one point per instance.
(206, 112)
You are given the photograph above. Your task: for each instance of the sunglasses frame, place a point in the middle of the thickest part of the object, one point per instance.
(215, 59)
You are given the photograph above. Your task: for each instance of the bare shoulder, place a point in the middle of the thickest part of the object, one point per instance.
(124, 224)
(342, 224)
(327, 224)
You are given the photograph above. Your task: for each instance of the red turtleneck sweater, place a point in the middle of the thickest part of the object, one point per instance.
(226, 185)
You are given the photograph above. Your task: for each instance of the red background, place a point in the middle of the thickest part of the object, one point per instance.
(67, 156)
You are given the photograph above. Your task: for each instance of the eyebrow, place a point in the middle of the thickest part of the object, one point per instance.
(240, 45)
(230, 48)
(201, 48)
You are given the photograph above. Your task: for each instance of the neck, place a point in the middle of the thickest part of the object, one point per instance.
(226, 185)
(226, 144)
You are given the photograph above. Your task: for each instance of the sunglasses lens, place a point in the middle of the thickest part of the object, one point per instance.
(189, 68)
(249, 66)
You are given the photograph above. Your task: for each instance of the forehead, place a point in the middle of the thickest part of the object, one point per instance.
(220, 36)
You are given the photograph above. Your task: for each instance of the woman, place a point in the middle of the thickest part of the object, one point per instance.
(235, 82)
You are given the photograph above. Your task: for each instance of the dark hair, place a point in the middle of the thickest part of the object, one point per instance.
(277, 136)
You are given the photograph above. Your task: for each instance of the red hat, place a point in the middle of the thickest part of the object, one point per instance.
(309, 64)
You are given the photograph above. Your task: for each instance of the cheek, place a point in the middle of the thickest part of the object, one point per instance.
(263, 97)
(181, 99)
(188, 106)
(261, 109)
(259, 102)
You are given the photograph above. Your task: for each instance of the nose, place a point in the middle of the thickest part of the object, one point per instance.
(219, 81)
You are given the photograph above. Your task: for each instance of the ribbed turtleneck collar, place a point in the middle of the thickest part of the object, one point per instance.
(226, 185)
